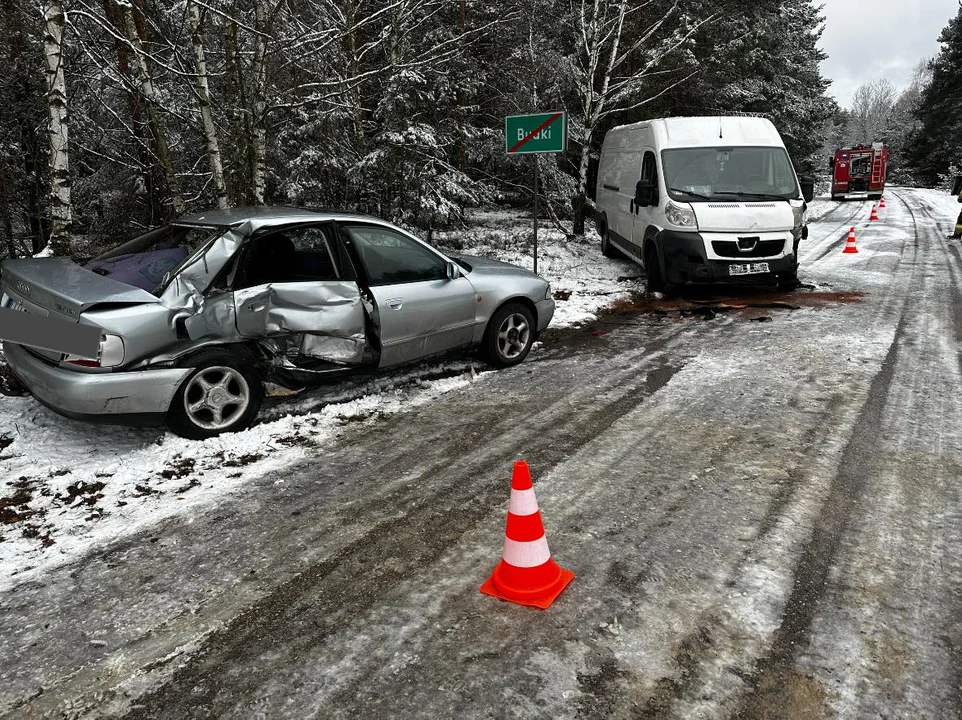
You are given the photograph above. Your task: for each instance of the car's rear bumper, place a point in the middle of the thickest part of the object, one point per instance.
(139, 397)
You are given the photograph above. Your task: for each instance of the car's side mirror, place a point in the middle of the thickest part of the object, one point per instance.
(644, 191)
(808, 187)
(453, 271)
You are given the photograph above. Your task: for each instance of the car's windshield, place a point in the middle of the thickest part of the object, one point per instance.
(147, 260)
(726, 173)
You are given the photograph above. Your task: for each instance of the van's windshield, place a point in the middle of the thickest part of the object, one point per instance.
(728, 173)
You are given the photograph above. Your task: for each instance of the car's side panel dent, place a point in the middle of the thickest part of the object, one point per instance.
(327, 316)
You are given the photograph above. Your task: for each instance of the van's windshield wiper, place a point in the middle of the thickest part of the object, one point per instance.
(739, 193)
(689, 193)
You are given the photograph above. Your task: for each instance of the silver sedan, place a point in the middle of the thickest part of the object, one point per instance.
(196, 317)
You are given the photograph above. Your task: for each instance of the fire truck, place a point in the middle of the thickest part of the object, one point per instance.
(859, 172)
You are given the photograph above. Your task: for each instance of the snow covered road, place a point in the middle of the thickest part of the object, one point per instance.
(761, 506)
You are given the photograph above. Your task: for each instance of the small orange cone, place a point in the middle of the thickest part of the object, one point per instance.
(881, 202)
(874, 215)
(850, 242)
(526, 574)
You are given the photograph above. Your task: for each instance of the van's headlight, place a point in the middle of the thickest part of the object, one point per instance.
(679, 215)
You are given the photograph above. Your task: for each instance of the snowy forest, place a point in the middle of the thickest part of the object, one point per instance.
(118, 115)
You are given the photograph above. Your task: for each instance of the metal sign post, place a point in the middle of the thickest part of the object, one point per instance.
(542, 133)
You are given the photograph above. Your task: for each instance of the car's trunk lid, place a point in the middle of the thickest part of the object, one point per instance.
(58, 287)
(63, 288)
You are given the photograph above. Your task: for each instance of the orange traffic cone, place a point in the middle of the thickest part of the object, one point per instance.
(881, 202)
(850, 242)
(874, 215)
(526, 574)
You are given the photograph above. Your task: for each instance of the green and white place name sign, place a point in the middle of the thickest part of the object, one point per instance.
(542, 133)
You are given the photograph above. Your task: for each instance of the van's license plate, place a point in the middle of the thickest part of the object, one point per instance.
(748, 269)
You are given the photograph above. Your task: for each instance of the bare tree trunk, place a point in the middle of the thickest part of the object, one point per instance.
(60, 206)
(203, 97)
(259, 119)
(153, 111)
(239, 149)
(145, 154)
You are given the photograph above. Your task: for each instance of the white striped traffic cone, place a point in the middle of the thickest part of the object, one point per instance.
(526, 574)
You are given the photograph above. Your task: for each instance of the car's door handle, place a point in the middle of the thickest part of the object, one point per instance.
(396, 303)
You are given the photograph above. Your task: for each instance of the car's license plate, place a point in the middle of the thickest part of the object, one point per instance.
(748, 269)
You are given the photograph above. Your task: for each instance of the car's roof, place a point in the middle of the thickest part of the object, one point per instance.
(264, 215)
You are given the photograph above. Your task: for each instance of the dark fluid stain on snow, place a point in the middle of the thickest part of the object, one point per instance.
(749, 304)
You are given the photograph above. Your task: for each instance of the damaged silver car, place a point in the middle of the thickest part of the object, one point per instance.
(196, 317)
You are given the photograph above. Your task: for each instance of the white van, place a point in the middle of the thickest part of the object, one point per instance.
(702, 200)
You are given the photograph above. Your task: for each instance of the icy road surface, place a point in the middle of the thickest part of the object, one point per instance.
(761, 506)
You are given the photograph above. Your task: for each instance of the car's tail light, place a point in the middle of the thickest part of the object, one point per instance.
(110, 354)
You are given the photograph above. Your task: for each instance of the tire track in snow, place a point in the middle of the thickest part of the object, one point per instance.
(777, 670)
(311, 605)
(832, 238)
(829, 571)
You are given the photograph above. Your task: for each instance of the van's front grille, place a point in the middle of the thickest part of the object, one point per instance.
(762, 248)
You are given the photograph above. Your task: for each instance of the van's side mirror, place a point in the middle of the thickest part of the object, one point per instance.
(808, 187)
(644, 192)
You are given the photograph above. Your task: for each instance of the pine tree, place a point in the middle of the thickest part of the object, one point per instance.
(938, 143)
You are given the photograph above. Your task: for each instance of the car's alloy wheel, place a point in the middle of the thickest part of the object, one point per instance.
(509, 336)
(222, 394)
(216, 397)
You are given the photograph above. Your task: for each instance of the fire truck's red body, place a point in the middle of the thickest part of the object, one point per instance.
(859, 172)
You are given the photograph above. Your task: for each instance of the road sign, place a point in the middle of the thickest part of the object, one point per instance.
(542, 133)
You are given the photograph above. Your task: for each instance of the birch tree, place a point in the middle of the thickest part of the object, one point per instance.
(61, 214)
(154, 116)
(202, 89)
(612, 72)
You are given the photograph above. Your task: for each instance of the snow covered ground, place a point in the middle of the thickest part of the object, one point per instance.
(67, 486)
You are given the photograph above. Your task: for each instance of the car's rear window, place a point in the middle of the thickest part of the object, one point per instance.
(146, 260)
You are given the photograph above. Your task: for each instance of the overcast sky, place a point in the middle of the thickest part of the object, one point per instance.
(866, 41)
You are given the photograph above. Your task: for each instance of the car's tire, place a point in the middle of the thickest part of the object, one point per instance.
(607, 249)
(222, 394)
(509, 335)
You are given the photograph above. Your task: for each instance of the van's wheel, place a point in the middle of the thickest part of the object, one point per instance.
(656, 282)
(509, 335)
(222, 394)
(788, 281)
(607, 249)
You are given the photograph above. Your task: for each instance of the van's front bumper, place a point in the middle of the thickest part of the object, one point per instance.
(687, 260)
(141, 397)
